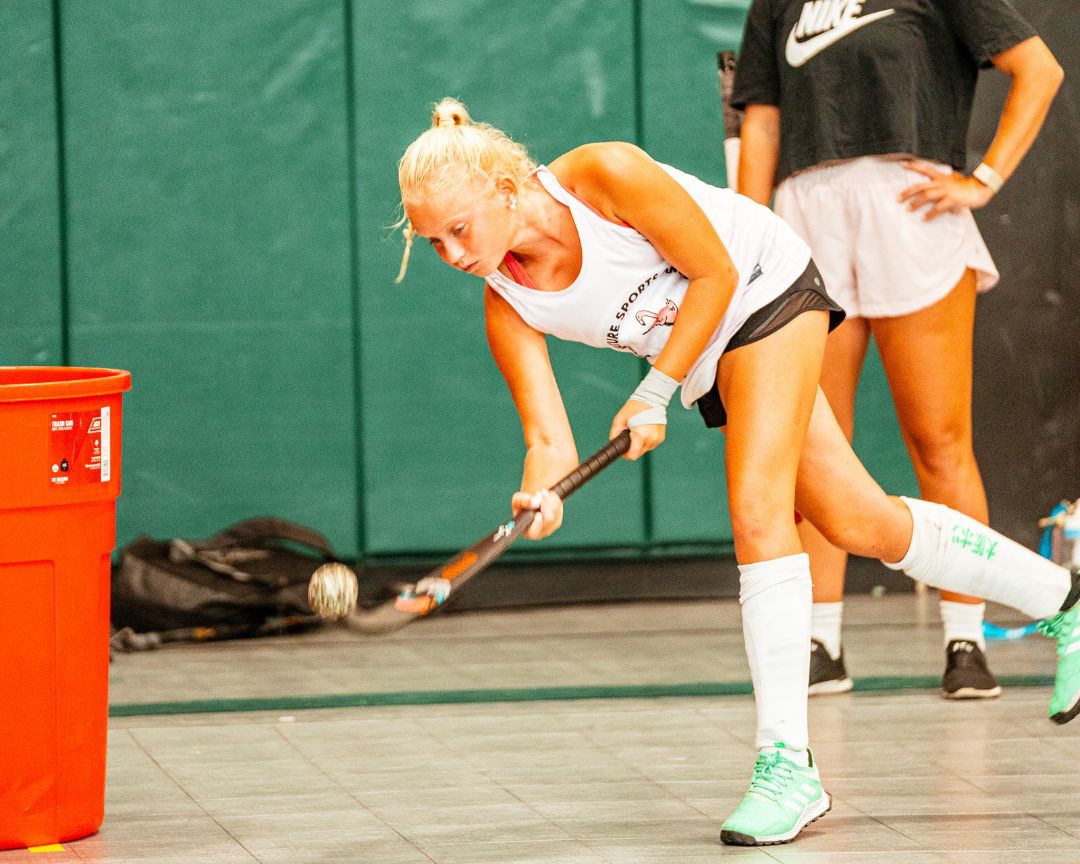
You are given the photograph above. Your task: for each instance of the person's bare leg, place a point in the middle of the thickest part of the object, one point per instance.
(933, 406)
(845, 350)
(836, 492)
(769, 388)
(933, 399)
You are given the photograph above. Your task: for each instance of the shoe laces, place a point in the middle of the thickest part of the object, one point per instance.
(772, 772)
(962, 646)
(1054, 626)
(965, 654)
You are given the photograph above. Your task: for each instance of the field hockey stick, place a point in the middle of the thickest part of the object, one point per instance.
(334, 588)
(128, 640)
(725, 61)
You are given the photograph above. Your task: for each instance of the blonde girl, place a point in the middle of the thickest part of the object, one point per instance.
(594, 247)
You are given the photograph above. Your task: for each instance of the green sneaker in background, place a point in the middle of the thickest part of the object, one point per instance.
(1065, 628)
(783, 799)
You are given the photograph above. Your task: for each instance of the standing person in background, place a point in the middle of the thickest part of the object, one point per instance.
(858, 113)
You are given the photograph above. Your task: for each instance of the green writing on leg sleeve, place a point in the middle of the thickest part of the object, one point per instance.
(974, 541)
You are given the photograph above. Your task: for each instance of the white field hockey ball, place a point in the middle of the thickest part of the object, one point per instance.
(332, 591)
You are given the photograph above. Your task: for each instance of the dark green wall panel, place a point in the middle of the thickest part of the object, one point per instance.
(30, 297)
(209, 247)
(681, 121)
(688, 489)
(441, 442)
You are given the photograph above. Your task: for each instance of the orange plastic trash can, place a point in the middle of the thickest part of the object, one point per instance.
(59, 480)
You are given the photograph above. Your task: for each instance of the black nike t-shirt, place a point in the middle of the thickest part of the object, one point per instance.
(868, 77)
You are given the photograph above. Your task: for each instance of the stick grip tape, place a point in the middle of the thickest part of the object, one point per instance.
(603, 457)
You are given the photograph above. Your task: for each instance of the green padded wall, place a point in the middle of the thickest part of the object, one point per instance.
(681, 121)
(442, 446)
(229, 176)
(30, 288)
(681, 125)
(209, 247)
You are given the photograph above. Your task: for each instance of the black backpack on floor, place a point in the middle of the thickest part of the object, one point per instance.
(248, 580)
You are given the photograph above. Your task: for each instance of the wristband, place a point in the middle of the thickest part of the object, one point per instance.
(655, 390)
(988, 177)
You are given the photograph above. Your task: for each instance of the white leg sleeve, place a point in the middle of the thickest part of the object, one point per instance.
(776, 600)
(952, 551)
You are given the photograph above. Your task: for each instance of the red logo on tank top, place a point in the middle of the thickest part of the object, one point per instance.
(664, 318)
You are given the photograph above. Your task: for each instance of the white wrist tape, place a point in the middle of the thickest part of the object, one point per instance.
(647, 417)
(655, 390)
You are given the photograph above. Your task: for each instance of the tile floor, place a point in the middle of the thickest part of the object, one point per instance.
(575, 781)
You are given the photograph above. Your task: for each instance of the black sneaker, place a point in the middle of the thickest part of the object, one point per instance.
(827, 675)
(966, 674)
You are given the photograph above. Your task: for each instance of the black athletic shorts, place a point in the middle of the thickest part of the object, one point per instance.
(806, 293)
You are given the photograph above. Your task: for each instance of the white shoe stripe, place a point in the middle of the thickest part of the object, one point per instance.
(1074, 647)
(808, 814)
(792, 806)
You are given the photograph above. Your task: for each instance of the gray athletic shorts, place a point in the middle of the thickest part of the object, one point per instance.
(805, 294)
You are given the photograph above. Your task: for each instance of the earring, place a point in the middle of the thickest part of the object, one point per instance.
(513, 203)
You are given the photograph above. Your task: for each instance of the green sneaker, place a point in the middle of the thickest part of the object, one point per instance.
(1065, 627)
(783, 799)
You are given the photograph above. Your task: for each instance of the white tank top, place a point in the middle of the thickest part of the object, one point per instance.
(627, 297)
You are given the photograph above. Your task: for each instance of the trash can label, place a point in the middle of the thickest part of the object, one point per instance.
(80, 449)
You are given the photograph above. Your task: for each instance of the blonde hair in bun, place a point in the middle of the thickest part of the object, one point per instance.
(450, 112)
(456, 151)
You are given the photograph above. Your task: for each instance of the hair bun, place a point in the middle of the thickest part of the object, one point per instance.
(450, 112)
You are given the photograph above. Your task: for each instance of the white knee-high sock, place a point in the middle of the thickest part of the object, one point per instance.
(776, 600)
(952, 551)
(826, 620)
(963, 621)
